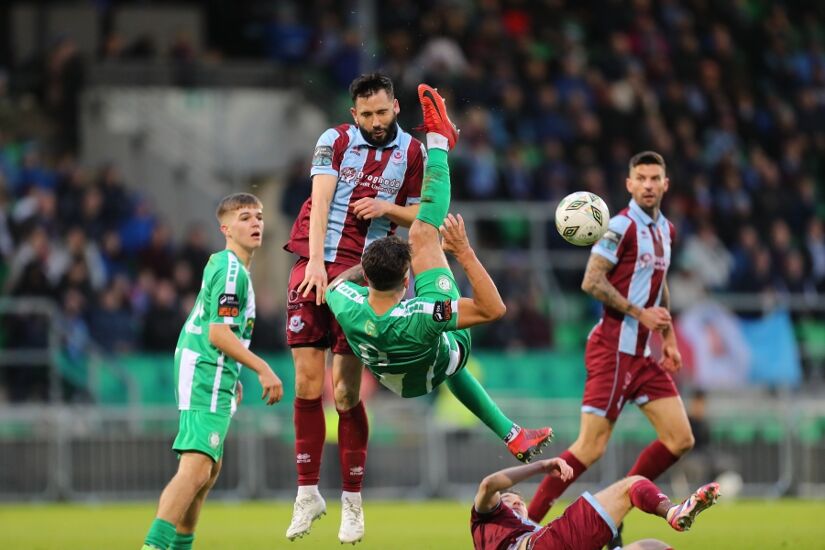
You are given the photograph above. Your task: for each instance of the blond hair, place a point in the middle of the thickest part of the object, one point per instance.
(236, 201)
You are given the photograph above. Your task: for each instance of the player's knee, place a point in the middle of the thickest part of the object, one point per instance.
(346, 396)
(630, 480)
(684, 443)
(309, 379)
(421, 232)
(197, 476)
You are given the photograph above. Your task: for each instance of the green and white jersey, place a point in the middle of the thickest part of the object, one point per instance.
(205, 378)
(411, 349)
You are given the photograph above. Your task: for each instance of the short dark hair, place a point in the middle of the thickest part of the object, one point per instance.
(368, 84)
(386, 262)
(236, 201)
(646, 157)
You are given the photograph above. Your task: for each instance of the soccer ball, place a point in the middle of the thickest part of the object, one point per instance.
(581, 218)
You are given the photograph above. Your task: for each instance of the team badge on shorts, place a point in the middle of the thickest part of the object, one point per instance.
(296, 324)
(214, 440)
(444, 283)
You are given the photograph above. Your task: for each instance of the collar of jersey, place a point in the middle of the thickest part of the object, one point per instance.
(636, 209)
(359, 141)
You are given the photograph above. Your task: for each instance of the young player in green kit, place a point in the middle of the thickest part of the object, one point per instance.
(212, 346)
(414, 345)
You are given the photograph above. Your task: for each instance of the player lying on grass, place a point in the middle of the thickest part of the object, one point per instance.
(212, 345)
(414, 345)
(499, 516)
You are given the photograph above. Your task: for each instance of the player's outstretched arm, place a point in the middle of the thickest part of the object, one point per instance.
(595, 283)
(222, 337)
(315, 275)
(487, 496)
(486, 304)
(368, 208)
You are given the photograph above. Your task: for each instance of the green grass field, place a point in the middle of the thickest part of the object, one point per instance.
(784, 524)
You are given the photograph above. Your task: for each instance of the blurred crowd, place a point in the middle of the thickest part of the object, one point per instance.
(86, 241)
(552, 96)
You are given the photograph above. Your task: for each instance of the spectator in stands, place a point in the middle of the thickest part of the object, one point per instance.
(815, 244)
(111, 324)
(159, 254)
(162, 320)
(31, 272)
(195, 249)
(76, 247)
(707, 256)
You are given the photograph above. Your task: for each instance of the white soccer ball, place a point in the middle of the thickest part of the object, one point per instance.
(581, 218)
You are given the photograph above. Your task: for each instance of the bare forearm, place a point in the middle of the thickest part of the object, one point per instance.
(318, 226)
(354, 274)
(222, 337)
(601, 289)
(485, 292)
(596, 284)
(504, 479)
(402, 215)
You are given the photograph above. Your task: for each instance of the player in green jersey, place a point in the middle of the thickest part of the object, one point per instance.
(414, 345)
(212, 346)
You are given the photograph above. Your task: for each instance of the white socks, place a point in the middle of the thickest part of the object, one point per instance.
(437, 141)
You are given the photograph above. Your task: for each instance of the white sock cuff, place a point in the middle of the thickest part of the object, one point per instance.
(308, 490)
(437, 141)
(350, 495)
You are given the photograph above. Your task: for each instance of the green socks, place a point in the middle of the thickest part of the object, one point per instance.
(473, 396)
(182, 542)
(435, 189)
(160, 534)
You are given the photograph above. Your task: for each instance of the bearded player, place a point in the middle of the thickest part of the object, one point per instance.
(366, 180)
(627, 272)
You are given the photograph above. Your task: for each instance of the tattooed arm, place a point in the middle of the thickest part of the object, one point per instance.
(595, 283)
(354, 274)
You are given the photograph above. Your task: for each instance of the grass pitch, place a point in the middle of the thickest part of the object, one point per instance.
(783, 524)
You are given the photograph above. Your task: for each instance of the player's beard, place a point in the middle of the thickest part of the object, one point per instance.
(389, 134)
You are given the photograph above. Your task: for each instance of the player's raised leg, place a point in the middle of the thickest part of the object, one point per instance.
(523, 443)
(617, 500)
(353, 434)
(435, 190)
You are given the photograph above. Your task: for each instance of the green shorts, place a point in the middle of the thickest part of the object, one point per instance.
(437, 283)
(465, 342)
(203, 432)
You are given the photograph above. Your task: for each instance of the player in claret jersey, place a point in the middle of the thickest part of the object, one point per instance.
(499, 519)
(212, 346)
(366, 180)
(627, 272)
(414, 345)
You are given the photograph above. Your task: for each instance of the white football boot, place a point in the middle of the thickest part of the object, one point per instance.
(352, 518)
(308, 507)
